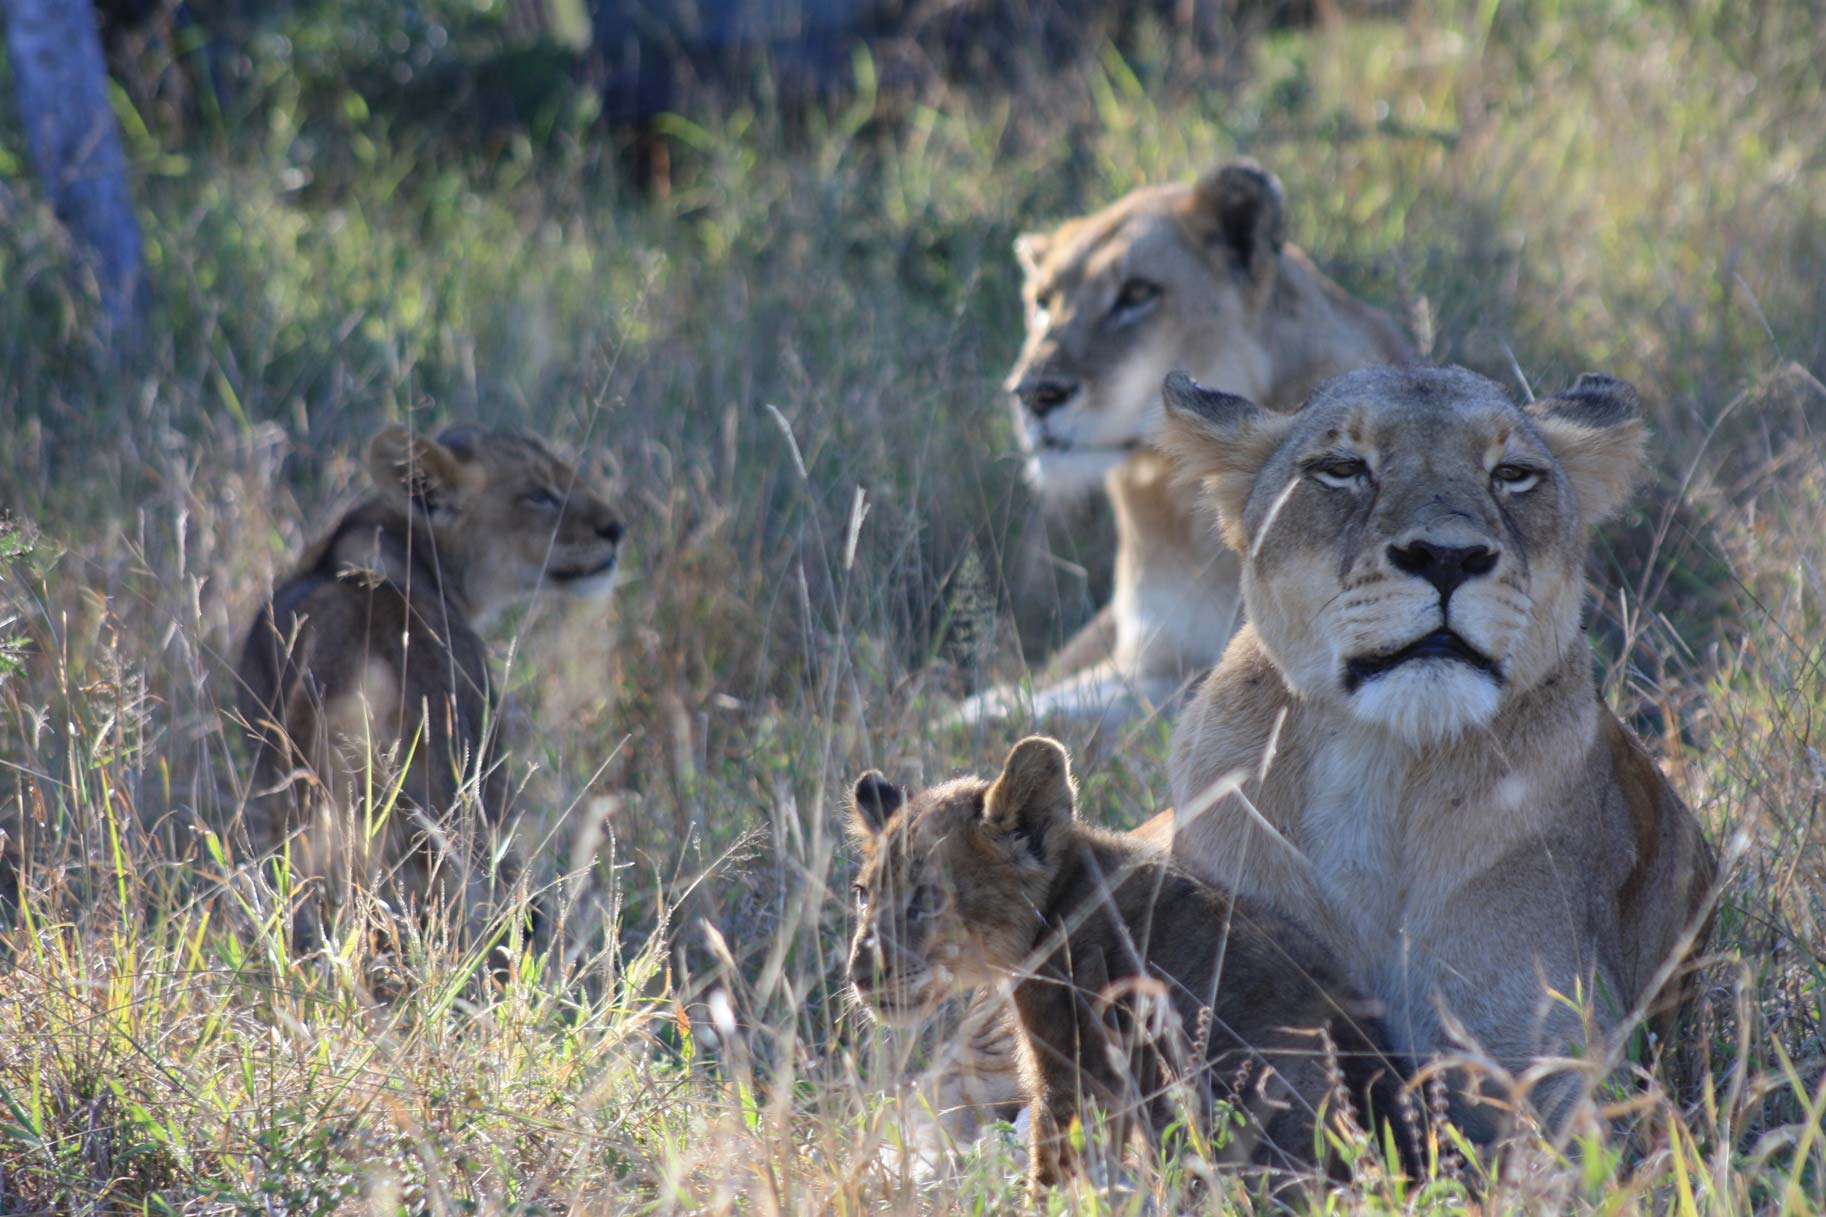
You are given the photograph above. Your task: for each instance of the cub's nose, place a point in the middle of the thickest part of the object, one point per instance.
(1446, 567)
(1041, 395)
(610, 531)
(865, 966)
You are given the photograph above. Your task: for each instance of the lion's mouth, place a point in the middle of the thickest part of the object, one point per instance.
(576, 574)
(894, 1003)
(1052, 443)
(1440, 644)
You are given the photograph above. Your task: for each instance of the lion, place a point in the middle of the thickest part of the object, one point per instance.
(1183, 276)
(367, 658)
(1132, 983)
(1405, 747)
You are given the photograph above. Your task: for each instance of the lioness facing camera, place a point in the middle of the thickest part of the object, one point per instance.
(1405, 746)
(367, 656)
(1134, 984)
(1197, 277)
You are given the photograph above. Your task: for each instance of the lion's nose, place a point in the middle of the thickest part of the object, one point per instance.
(865, 964)
(610, 531)
(1041, 395)
(1444, 566)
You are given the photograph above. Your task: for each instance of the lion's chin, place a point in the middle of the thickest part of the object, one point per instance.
(1426, 701)
(1064, 475)
(897, 1012)
(596, 582)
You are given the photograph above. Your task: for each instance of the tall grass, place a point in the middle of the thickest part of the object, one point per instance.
(785, 371)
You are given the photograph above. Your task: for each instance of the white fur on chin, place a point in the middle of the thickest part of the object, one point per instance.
(1425, 701)
(594, 587)
(1062, 476)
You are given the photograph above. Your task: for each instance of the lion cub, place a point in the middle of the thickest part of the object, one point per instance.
(1134, 984)
(369, 650)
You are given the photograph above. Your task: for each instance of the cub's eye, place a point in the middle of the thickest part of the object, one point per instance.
(860, 895)
(1134, 299)
(1043, 301)
(1340, 473)
(542, 497)
(1514, 478)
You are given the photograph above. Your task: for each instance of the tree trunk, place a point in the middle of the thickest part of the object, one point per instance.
(75, 148)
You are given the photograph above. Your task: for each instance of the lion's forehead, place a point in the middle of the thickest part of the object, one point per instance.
(531, 465)
(1421, 389)
(1091, 245)
(1433, 421)
(921, 837)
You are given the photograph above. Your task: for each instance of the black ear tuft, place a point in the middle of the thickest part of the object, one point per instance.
(1595, 431)
(1598, 402)
(1242, 206)
(462, 440)
(1183, 395)
(875, 800)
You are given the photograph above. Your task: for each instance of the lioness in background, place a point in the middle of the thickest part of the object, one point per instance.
(1405, 746)
(1134, 985)
(367, 659)
(1195, 277)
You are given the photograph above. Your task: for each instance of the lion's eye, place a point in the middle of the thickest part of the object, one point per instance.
(542, 497)
(1340, 473)
(860, 895)
(1135, 298)
(1514, 479)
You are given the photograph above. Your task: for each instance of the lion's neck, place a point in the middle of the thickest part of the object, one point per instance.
(1348, 797)
(1176, 598)
(1315, 330)
(1420, 800)
(377, 543)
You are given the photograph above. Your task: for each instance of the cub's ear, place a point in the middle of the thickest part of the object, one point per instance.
(1030, 250)
(1240, 208)
(1219, 441)
(420, 474)
(1034, 797)
(872, 802)
(462, 441)
(1595, 431)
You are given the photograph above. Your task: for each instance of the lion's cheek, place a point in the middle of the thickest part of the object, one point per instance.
(1287, 604)
(1530, 633)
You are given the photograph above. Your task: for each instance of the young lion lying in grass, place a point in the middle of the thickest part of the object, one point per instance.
(1134, 984)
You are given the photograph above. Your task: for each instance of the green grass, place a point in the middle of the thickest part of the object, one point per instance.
(1619, 186)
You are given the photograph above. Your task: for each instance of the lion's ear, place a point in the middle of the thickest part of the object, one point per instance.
(1240, 208)
(873, 802)
(1220, 441)
(1030, 250)
(419, 474)
(1034, 797)
(462, 441)
(1595, 432)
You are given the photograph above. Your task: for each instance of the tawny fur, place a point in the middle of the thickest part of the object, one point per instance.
(1116, 959)
(368, 654)
(1236, 306)
(1469, 847)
